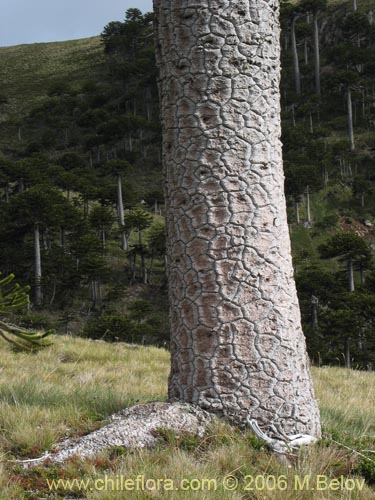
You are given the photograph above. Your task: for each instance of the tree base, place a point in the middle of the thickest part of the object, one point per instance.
(134, 427)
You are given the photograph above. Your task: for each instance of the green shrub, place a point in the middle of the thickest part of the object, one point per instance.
(328, 222)
(35, 320)
(114, 327)
(366, 468)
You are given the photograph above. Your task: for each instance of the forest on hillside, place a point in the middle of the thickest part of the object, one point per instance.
(81, 209)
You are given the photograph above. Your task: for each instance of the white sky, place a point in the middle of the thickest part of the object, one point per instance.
(29, 21)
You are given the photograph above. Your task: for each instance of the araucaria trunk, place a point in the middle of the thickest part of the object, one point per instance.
(237, 346)
(316, 55)
(350, 119)
(37, 266)
(297, 78)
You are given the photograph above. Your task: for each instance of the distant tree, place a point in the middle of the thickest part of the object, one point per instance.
(101, 218)
(360, 188)
(314, 7)
(139, 220)
(349, 247)
(37, 209)
(117, 168)
(290, 13)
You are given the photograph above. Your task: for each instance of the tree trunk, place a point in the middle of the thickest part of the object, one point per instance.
(143, 258)
(350, 119)
(347, 353)
(237, 345)
(37, 267)
(314, 312)
(316, 55)
(305, 52)
(120, 213)
(6, 193)
(62, 237)
(350, 275)
(362, 273)
(297, 212)
(85, 208)
(363, 200)
(297, 77)
(308, 211)
(293, 116)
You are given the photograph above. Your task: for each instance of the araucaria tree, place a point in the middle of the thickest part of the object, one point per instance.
(237, 344)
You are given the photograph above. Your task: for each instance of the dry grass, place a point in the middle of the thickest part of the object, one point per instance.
(70, 387)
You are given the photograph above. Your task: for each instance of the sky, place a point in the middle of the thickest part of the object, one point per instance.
(29, 21)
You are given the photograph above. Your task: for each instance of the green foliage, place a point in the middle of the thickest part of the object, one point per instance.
(137, 219)
(346, 245)
(366, 468)
(119, 328)
(13, 297)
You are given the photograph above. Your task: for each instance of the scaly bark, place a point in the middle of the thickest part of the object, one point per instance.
(237, 345)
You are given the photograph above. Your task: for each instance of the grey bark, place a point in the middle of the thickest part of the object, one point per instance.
(305, 52)
(120, 213)
(237, 345)
(316, 54)
(308, 211)
(37, 266)
(311, 123)
(297, 77)
(297, 212)
(351, 275)
(350, 119)
(314, 312)
(347, 353)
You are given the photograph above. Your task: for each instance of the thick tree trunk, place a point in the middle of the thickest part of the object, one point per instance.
(236, 341)
(297, 77)
(316, 54)
(350, 119)
(37, 267)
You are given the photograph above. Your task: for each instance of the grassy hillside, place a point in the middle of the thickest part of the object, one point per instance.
(28, 71)
(69, 388)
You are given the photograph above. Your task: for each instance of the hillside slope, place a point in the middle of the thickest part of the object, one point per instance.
(28, 71)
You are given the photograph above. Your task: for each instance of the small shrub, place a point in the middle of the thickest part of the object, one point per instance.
(328, 222)
(112, 328)
(37, 321)
(366, 468)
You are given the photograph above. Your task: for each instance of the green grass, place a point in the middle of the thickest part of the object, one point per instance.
(28, 71)
(70, 387)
